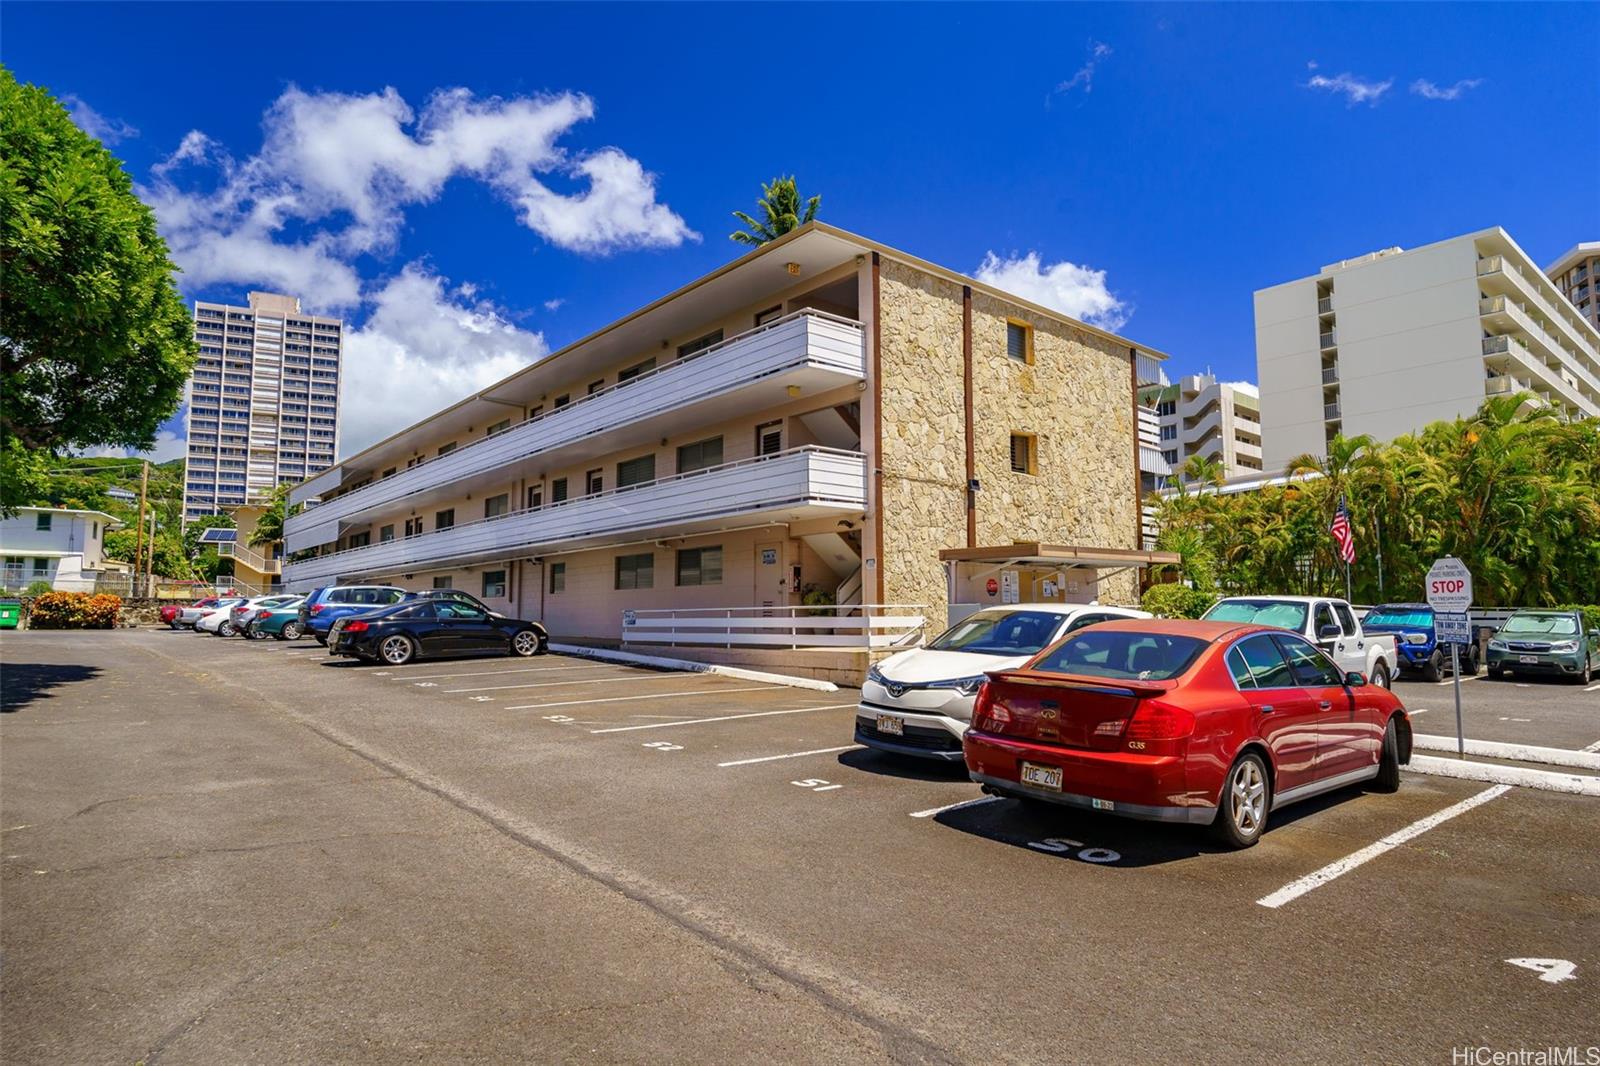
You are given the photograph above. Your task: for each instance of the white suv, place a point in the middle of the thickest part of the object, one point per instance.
(919, 702)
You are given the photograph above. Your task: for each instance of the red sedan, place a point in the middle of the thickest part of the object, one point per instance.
(1209, 723)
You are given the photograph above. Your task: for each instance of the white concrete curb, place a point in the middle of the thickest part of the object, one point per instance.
(1548, 780)
(1583, 760)
(691, 666)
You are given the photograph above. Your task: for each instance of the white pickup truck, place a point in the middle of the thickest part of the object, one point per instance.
(1326, 622)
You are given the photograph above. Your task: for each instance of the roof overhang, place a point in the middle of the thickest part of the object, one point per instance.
(1033, 553)
(802, 253)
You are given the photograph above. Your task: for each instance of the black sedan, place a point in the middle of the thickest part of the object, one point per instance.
(433, 629)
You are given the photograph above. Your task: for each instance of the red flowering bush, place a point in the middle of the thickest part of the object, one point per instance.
(74, 610)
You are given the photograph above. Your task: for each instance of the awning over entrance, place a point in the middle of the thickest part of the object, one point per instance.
(1033, 553)
(1030, 572)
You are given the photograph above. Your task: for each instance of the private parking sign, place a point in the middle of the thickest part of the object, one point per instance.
(1449, 585)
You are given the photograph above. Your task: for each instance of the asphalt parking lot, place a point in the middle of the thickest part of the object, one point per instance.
(1544, 712)
(220, 851)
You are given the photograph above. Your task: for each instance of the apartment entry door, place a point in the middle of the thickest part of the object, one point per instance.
(769, 575)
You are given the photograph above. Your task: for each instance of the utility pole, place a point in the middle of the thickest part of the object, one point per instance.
(138, 540)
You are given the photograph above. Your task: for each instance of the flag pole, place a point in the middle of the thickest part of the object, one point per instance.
(1347, 582)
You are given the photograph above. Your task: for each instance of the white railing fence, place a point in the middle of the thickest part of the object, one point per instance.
(858, 627)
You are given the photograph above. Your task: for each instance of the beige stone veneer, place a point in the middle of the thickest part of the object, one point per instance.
(1076, 398)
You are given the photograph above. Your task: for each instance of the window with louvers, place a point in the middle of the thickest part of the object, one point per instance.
(1017, 341)
(636, 471)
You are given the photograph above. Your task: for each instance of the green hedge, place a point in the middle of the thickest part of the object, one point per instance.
(1176, 601)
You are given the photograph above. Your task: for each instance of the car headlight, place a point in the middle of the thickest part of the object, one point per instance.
(876, 675)
(1416, 638)
(969, 686)
(1497, 645)
(1564, 646)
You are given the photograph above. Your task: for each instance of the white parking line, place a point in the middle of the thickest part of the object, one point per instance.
(1593, 688)
(617, 678)
(1295, 889)
(791, 755)
(1593, 747)
(1451, 680)
(955, 806)
(480, 673)
(630, 699)
(723, 718)
(426, 664)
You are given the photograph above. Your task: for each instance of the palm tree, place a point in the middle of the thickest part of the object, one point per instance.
(1203, 470)
(780, 203)
(269, 527)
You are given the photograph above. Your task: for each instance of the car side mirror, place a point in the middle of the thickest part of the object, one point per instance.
(1354, 679)
(1594, 634)
(1329, 632)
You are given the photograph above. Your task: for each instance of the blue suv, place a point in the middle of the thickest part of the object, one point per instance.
(318, 610)
(1416, 640)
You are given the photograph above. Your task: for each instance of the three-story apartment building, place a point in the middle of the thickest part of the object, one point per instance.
(815, 421)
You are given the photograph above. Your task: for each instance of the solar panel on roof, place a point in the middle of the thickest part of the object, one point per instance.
(218, 536)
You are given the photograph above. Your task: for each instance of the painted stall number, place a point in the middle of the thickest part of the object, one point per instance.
(1553, 971)
(562, 718)
(664, 745)
(1062, 846)
(815, 784)
(426, 684)
(480, 699)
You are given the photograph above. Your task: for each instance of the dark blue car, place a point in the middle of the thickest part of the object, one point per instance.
(318, 611)
(1416, 640)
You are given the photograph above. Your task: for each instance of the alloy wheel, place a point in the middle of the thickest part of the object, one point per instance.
(525, 643)
(1248, 798)
(396, 650)
(291, 631)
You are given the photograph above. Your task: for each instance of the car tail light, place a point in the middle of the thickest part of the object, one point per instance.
(986, 713)
(1154, 720)
(357, 626)
(261, 616)
(317, 607)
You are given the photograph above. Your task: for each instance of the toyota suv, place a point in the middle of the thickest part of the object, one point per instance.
(318, 611)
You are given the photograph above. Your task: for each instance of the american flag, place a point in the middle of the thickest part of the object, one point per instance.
(1341, 533)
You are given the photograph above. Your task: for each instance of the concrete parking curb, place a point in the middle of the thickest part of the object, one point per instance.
(1547, 780)
(690, 666)
(1490, 749)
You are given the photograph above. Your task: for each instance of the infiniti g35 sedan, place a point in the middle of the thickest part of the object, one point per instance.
(432, 629)
(1205, 723)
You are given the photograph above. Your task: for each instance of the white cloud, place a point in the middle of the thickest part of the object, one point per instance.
(1429, 91)
(103, 128)
(421, 349)
(1075, 290)
(1084, 78)
(1356, 90)
(554, 304)
(339, 171)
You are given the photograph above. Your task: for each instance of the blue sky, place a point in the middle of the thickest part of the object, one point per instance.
(471, 186)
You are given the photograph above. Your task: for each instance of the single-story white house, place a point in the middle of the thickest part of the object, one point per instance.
(61, 545)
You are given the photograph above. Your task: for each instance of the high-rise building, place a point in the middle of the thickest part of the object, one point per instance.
(264, 401)
(1218, 420)
(1577, 275)
(1388, 342)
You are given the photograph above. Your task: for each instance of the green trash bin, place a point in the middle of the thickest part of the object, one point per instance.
(10, 612)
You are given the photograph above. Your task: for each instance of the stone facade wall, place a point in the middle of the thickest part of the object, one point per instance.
(924, 435)
(1075, 397)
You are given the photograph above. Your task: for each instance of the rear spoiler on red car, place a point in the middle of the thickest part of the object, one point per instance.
(1132, 689)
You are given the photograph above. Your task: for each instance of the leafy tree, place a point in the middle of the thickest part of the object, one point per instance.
(95, 341)
(166, 552)
(269, 527)
(1513, 491)
(781, 211)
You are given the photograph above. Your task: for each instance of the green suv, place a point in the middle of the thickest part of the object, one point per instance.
(1553, 643)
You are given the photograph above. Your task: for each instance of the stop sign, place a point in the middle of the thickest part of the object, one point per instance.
(1449, 585)
(993, 586)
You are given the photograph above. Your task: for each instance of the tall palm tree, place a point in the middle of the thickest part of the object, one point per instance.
(780, 204)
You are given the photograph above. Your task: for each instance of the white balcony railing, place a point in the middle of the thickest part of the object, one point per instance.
(1583, 347)
(857, 627)
(802, 479)
(804, 339)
